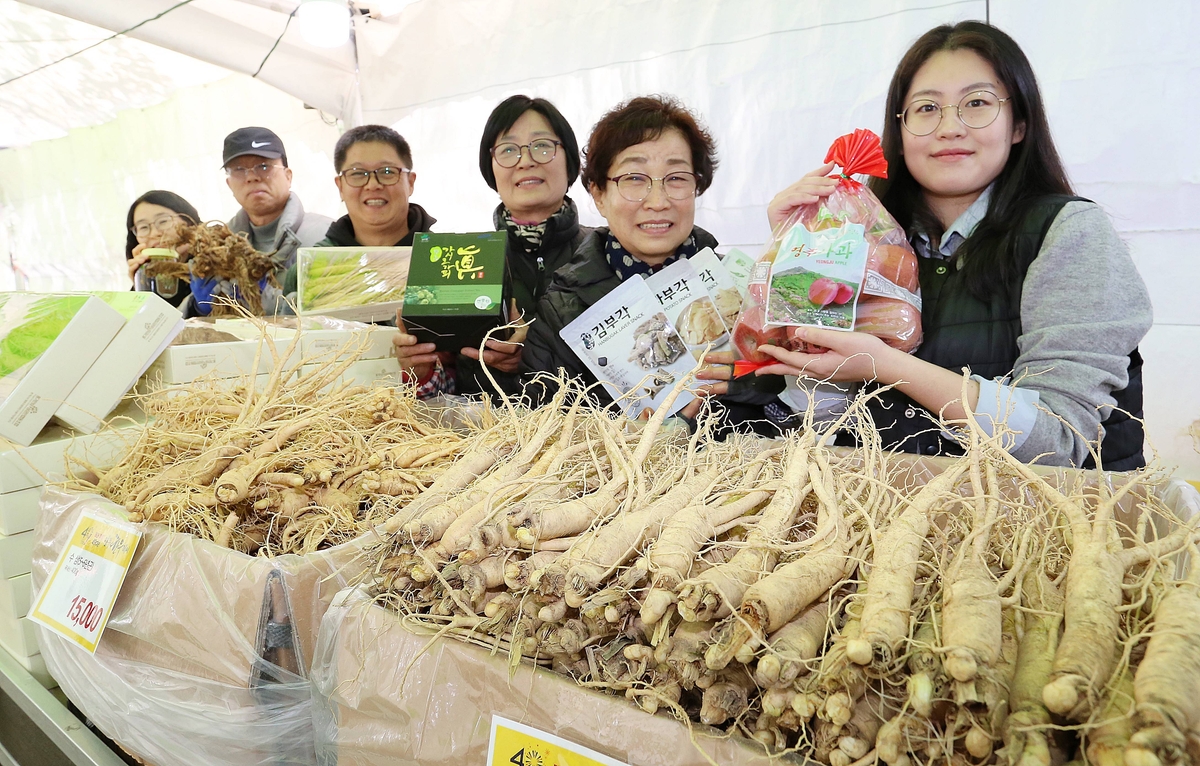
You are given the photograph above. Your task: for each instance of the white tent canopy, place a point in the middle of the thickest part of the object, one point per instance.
(775, 80)
(239, 35)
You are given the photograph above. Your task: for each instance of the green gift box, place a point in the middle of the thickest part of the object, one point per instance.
(456, 288)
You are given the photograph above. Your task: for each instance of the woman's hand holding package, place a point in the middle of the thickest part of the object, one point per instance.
(502, 355)
(807, 191)
(415, 358)
(851, 356)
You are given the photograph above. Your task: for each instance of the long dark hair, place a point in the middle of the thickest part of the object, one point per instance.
(506, 114)
(1033, 169)
(169, 200)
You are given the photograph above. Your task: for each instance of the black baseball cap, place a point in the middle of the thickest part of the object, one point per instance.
(259, 142)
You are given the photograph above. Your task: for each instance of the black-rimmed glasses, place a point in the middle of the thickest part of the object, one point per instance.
(386, 176)
(541, 151)
(977, 109)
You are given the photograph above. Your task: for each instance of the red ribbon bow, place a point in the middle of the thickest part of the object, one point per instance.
(858, 153)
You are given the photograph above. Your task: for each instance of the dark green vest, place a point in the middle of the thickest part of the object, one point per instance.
(962, 331)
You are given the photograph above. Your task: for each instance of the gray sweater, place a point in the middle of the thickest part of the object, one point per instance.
(1084, 308)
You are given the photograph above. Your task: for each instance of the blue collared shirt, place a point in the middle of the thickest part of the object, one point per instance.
(999, 401)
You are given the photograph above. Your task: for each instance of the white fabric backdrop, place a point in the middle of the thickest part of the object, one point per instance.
(63, 202)
(776, 81)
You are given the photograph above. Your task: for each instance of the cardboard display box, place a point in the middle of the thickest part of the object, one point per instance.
(393, 696)
(230, 359)
(206, 655)
(396, 696)
(47, 343)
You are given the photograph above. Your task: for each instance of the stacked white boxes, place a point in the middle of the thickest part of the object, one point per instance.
(150, 325)
(23, 473)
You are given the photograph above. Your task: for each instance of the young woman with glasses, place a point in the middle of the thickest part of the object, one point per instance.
(529, 155)
(153, 217)
(1025, 284)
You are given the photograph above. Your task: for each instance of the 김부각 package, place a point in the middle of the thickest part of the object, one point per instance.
(842, 263)
(630, 345)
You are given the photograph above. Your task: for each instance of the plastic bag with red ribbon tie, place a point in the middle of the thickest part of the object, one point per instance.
(883, 298)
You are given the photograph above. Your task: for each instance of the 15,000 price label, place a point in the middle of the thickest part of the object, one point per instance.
(77, 599)
(85, 614)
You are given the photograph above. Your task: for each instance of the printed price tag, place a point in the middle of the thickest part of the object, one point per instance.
(77, 599)
(515, 744)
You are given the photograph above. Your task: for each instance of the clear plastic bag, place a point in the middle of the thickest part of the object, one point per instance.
(889, 304)
(360, 283)
(205, 658)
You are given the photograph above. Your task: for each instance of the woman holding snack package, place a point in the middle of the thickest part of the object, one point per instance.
(529, 155)
(648, 160)
(1023, 283)
(152, 218)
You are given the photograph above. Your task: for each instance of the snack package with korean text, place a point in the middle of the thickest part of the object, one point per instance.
(843, 263)
(632, 348)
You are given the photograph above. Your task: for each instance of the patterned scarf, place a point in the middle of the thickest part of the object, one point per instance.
(529, 235)
(625, 265)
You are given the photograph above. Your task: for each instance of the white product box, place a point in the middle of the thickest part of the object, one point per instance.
(331, 345)
(47, 343)
(46, 459)
(231, 359)
(367, 372)
(19, 636)
(16, 554)
(19, 510)
(150, 325)
(15, 596)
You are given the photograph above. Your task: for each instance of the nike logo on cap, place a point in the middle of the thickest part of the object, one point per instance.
(257, 145)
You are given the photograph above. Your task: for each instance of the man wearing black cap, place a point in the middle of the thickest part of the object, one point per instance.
(271, 215)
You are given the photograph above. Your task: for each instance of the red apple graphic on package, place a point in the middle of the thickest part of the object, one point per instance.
(823, 291)
(844, 293)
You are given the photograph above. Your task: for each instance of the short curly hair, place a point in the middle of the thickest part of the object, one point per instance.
(645, 118)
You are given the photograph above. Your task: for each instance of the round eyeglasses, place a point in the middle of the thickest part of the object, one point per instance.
(636, 187)
(540, 151)
(386, 176)
(977, 109)
(163, 224)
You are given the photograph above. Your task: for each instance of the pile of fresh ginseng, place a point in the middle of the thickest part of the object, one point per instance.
(850, 606)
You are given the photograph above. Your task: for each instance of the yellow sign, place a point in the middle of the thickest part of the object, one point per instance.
(515, 744)
(77, 599)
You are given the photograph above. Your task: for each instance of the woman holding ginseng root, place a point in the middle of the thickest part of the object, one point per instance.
(1022, 282)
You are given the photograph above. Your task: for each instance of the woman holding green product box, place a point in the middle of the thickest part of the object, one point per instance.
(529, 155)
